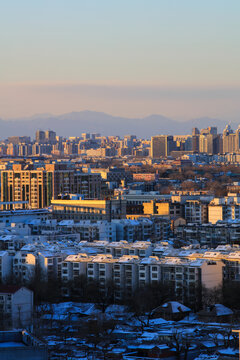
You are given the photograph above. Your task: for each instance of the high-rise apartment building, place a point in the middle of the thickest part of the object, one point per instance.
(50, 136)
(47, 136)
(40, 136)
(38, 187)
(195, 139)
(161, 146)
(229, 140)
(209, 142)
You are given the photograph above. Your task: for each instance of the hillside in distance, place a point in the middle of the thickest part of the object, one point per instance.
(74, 123)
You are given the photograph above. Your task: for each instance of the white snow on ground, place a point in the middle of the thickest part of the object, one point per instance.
(113, 309)
(63, 309)
(132, 332)
(149, 336)
(157, 321)
(228, 351)
(208, 344)
(207, 357)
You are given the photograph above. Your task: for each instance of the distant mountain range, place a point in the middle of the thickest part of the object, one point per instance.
(74, 123)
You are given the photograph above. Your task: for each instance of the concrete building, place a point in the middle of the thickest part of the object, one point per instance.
(125, 276)
(196, 212)
(232, 267)
(16, 306)
(211, 235)
(229, 140)
(227, 208)
(5, 266)
(74, 266)
(88, 185)
(161, 146)
(165, 209)
(21, 345)
(93, 210)
(50, 264)
(149, 271)
(37, 187)
(24, 267)
(100, 270)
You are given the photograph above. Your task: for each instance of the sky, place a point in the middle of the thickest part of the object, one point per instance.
(129, 58)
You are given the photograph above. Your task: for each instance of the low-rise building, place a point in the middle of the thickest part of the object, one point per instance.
(21, 345)
(93, 210)
(16, 306)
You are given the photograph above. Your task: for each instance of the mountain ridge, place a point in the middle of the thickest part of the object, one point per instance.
(76, 122)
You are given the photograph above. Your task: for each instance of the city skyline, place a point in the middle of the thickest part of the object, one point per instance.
(119, 179)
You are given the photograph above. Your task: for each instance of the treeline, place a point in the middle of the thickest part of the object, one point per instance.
(142, 300)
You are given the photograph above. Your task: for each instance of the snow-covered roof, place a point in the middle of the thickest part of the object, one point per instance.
(234, 255)
(66, 223)
(176, 307)
(150, 260)
(77, 258)
(103, 258)
(141, 244)
(222, 310)
(128, 259)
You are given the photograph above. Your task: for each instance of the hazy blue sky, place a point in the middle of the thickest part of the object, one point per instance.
(175, 57)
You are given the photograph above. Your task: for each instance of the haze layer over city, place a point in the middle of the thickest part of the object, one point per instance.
(119, 180)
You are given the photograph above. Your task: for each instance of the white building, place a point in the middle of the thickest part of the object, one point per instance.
(16, 306)
(50, 264)
(100, 269)
(75, 266)
(125, 276)
(24, 266)
(149, 271)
